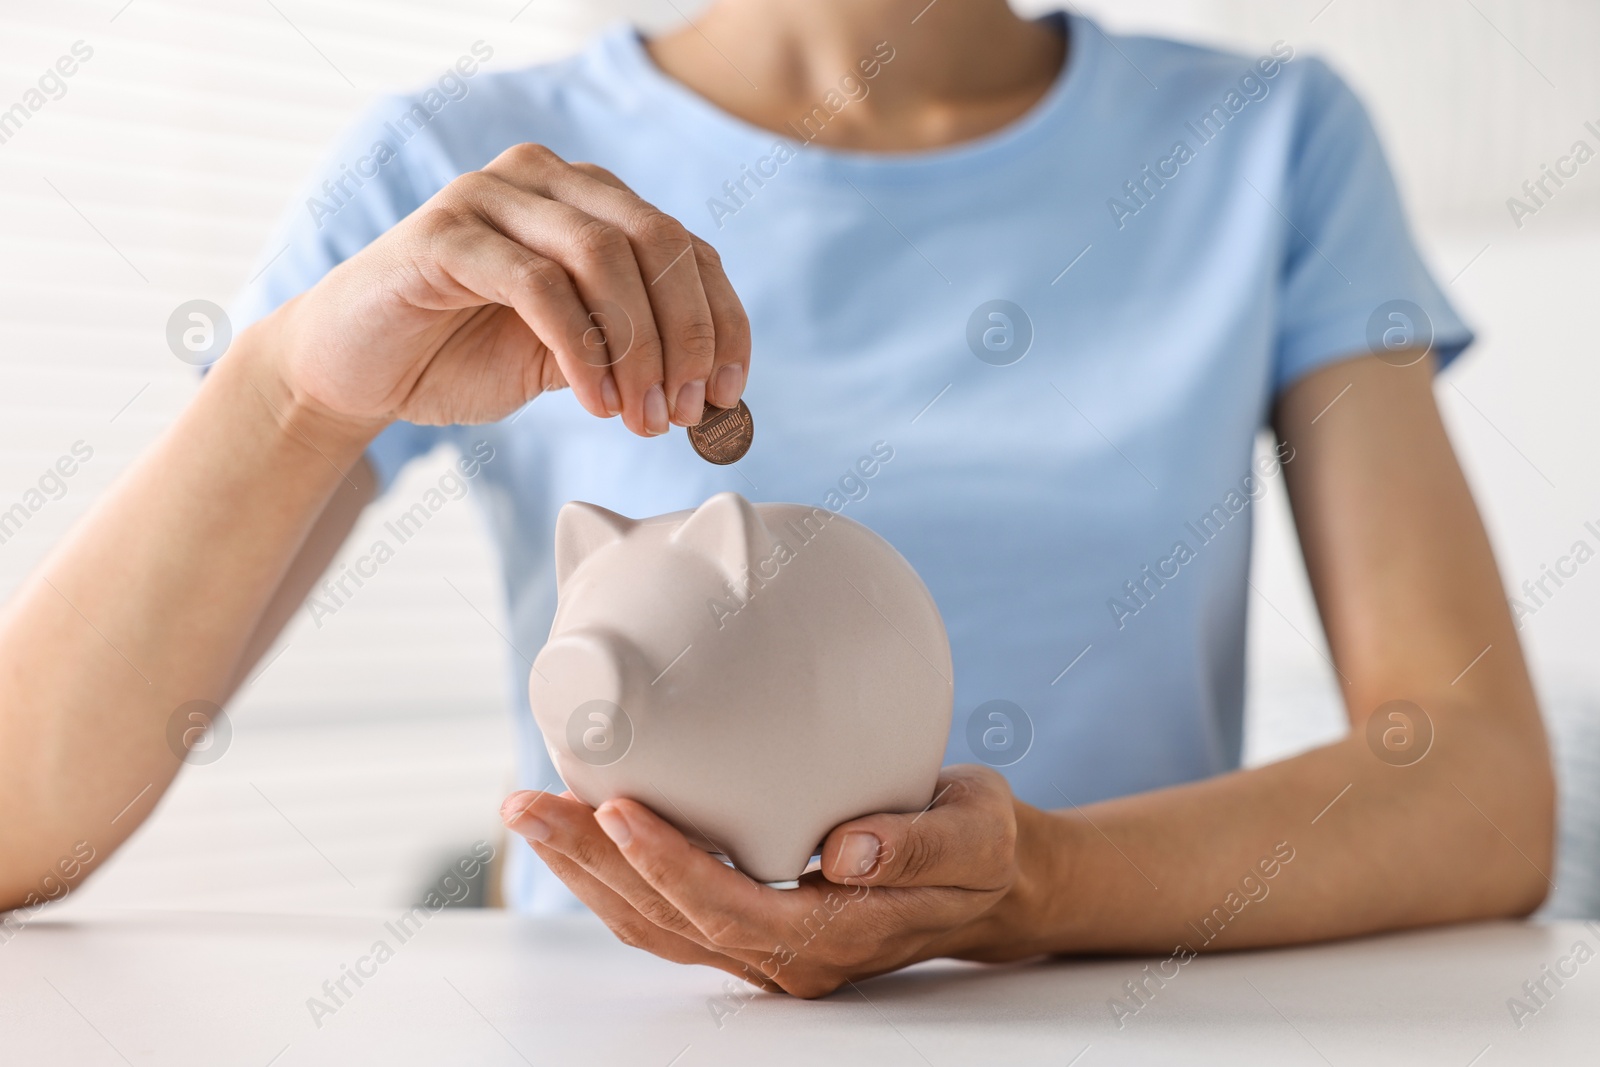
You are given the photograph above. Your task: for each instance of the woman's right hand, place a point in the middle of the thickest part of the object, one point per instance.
(531, 274)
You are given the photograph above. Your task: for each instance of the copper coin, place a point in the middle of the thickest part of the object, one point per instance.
(724, 434)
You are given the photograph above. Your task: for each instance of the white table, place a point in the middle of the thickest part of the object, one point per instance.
(490, 988)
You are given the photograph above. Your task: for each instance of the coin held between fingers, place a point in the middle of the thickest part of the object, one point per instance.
(723, 435)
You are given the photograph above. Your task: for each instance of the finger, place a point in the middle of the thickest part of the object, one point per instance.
(688, 330)
(634, 930)
(599, 257)
(663, 249)
(600, 174)
(734, 913)
(964, 839)
(490, 266)
(731, 364)
(630, 927)
(567, 826)
(667, 259)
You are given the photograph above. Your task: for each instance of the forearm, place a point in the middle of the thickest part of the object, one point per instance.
(1413, 608)
(150, 603)
(1332, 843)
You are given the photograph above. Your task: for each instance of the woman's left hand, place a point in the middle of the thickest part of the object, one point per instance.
(893, 889)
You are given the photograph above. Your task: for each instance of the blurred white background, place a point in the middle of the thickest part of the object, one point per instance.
(376, 746)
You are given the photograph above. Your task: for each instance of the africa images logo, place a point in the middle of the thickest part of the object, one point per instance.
(738, 192)
(339, 190)
(1253, 86)
(51, 85)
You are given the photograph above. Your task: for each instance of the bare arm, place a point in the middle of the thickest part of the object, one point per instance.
(351, 495)
(179, 579)
(1413, 608)
(166, 593)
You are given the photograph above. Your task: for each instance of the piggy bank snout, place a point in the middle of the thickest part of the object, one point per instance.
(579, 695)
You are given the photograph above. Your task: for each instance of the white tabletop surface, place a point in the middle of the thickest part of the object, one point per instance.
(491, 988)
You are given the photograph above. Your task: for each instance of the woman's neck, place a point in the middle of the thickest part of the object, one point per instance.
(876, 75)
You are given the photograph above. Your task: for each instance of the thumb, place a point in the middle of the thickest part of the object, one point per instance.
(965, 838)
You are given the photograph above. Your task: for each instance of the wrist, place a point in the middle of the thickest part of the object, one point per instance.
(1037, 903)
(1027, 920)
(257, 367)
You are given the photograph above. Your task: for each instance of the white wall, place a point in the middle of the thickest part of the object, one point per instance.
(380, 736)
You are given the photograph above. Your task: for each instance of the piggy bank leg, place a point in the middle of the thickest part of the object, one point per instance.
(815, 864)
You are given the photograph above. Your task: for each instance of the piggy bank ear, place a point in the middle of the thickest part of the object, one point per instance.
(582, 530)
(727, 531)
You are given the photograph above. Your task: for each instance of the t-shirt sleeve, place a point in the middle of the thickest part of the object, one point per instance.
(361, 188)
(1353, 280)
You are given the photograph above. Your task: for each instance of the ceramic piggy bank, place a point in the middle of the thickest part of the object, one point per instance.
(756, 674)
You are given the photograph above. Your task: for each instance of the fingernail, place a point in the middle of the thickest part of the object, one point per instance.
(655, 410)
(614, 825)
(609, 396)
(691, 403)
(729, 384)
(516, 802)
(518, 817)
(858, 854)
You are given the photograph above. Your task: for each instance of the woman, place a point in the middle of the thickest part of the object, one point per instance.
(1052, 283)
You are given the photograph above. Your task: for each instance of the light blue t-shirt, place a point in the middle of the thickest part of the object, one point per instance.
(1035, 362)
